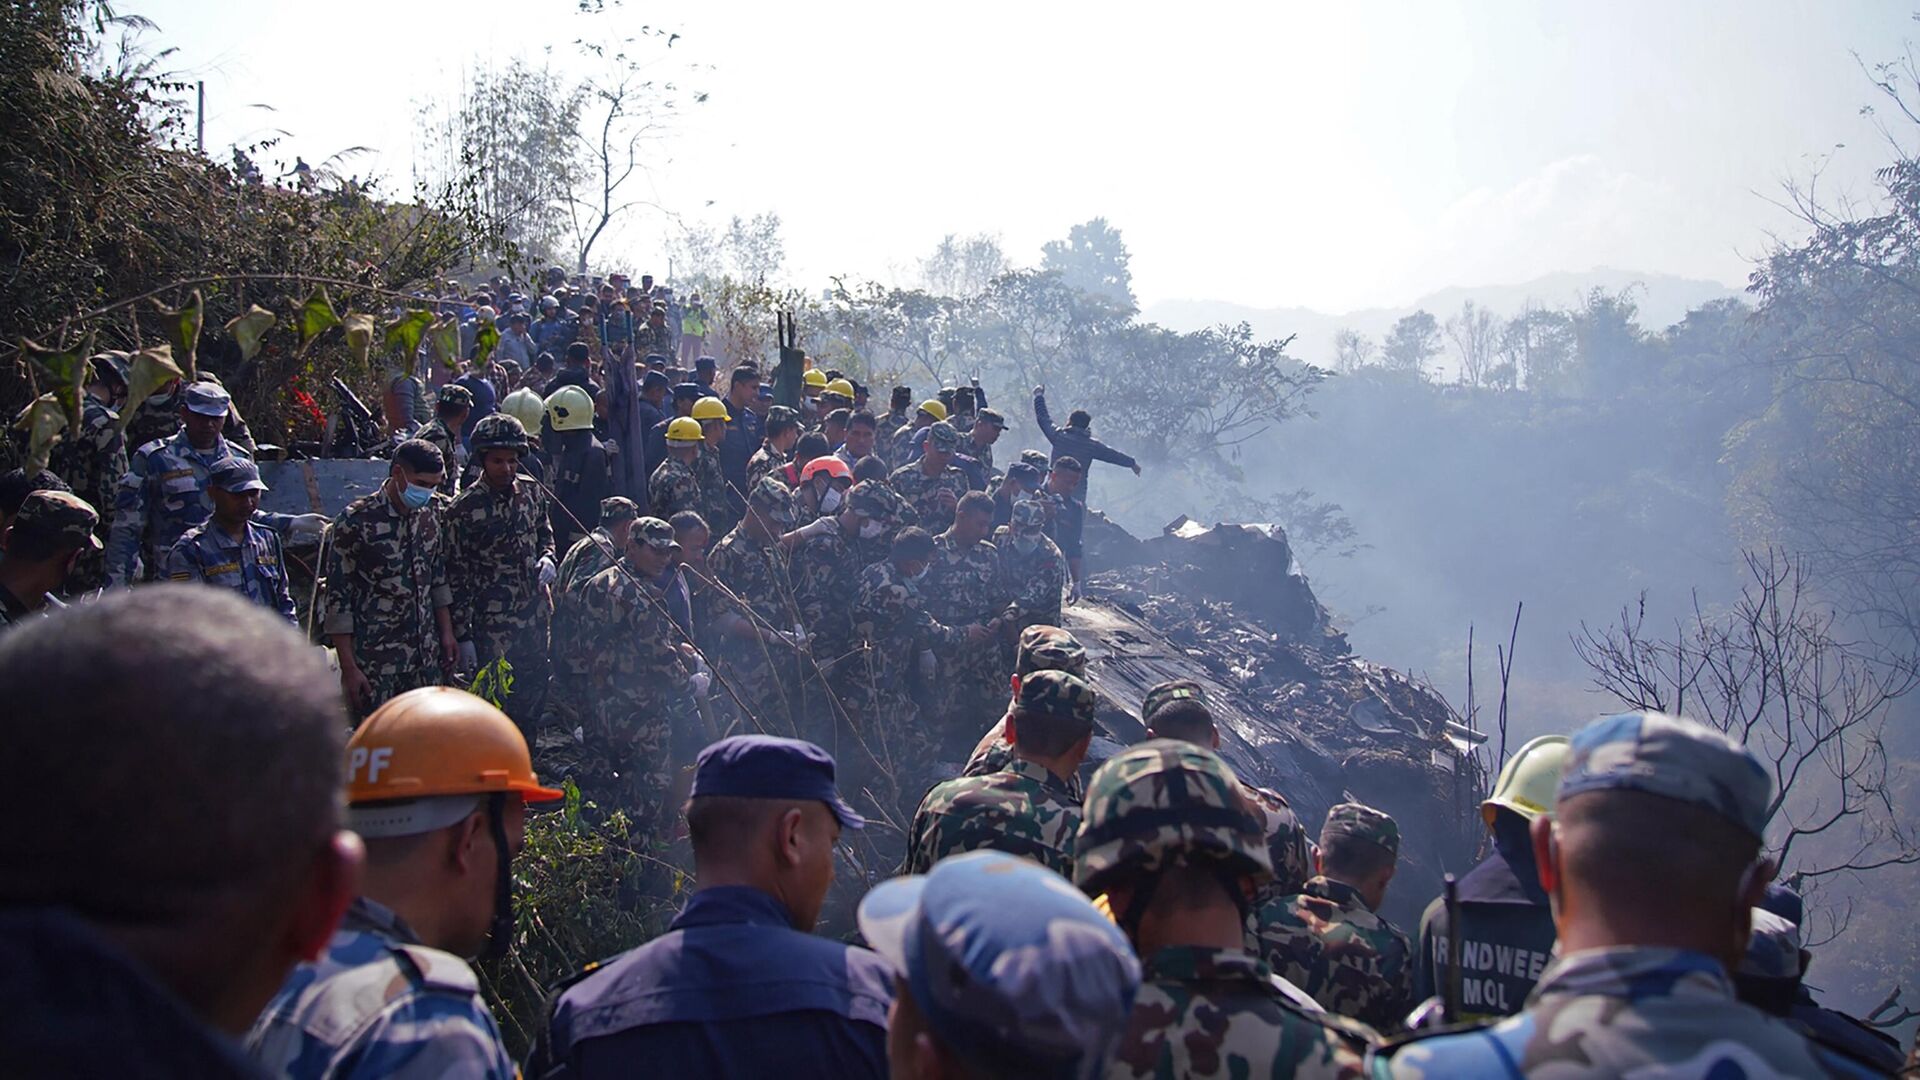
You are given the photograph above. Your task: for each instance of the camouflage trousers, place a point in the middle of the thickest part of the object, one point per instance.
(968, 696)
(390, 682)
(620, 760)
(768, 683)
(523, 644)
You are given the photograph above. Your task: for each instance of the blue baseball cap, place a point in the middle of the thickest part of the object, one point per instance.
(206, 399)
(705, 363)
(236, 475)
(1672, 757)
(687, 391)
(771, 767)
(652, 379)
(1014, 969)
(656, 360)
(766, 392)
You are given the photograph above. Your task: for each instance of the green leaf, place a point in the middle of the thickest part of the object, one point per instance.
(61, 373)
(249, 329)
(43, 421)
(359, 335)
(314, 318)
(485, 339)
(151, 369)
(182, 326)
(404, 333)
(443, 341)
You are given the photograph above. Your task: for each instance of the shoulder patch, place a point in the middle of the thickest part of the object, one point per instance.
(436, 970)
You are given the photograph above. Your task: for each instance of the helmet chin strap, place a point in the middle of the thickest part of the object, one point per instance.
(500, 934)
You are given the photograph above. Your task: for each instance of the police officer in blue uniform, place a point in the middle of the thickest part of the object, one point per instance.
(228, 549)
(738, 986)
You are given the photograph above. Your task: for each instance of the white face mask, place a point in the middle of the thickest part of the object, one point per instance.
(830, 501)
(1026, 545)
(872, 530)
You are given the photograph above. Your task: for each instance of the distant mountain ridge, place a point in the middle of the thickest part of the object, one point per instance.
(1663, 298)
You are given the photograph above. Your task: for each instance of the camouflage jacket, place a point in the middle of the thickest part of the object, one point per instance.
(673, 488)
(1022, 810)
(765, 461)
(153, 420)
(572, 632)
(888, 613)
(92, 460)
(252, 567)
(966, 586)
(887, 428)
(449, 446)
(826, 574)
(1287, 843)
(1629, 1011)
(759, 575)
(379, 1003)
(716, 498)
(1353, 962)
(649, 339)
(1037, 577)
(386, 571)
(495, 541)
(922, 494)
(633, 662)
(1217, 1013)
(162, 495)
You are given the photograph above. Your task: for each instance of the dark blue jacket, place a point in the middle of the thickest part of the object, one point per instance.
(745, 432)
(1079, 444)
(731, 989)
(73, 1005)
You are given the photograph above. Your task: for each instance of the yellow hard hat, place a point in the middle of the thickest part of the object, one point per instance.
(684, 429)
(816, 379)
(570, 408)
(841, 387)
(1529, 779)
(711, 408)
(933, 408)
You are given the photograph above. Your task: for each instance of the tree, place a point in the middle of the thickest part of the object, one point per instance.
(1093, 258)
(1537, 345)
(963, 266)
(1414, 339)
(1352, 351)
(626, 112)
(1772, 673)
(1610, 350)
(1475, 334)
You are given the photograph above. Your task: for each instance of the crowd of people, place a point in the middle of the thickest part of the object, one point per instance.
(760, 626)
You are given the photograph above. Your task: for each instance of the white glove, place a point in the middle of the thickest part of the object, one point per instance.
(795, 637)
(928, 665)
(700, 682)
(547, 570)
(816, 527)
(1074, 592)
(307, 526)
(469, 659)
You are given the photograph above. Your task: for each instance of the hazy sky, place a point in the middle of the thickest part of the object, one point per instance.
(1280, 153)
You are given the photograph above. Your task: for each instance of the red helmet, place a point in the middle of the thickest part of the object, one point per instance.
(832, 466)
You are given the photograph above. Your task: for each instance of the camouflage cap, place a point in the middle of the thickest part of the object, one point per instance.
(618, 508)
(1035, 458)
(58, 516)
(498, 431)
(206, 398)
(1773, 949)
(1167, 693)
(1060, 694)
(455, 394)
(1016, 971)
(1049, 648)
(1364, 823)
(992, 418)
(1165, 803)
(782, 412)
(875, 501)
(654, 533)
(1028, 476)
(1029, 514)
(941, 436)
(774, 499)
(1672, 757)
(236, 475)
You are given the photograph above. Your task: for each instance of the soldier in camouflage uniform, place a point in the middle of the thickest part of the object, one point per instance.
(1028, 808)
(1656, 835)
(966, 584)
(499, 565)
(387, 603)
(898, 635)
(758, 640)
(1328, 940)
(567, 705)
(455, 403)
(1032, 564)
(932, 486)
(381, 1001)
(93, 459)
(230, 551)
(642, 678)
(45, 538)
(783, 430)
(717, 499)
(1039, 648)
(1178, 709)
(1167, 837)
(673, 488)
(826, 576)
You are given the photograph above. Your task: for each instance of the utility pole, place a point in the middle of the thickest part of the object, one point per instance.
(200, 117)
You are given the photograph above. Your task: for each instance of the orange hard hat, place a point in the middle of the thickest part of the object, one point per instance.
(439, 741)
(832, 466)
